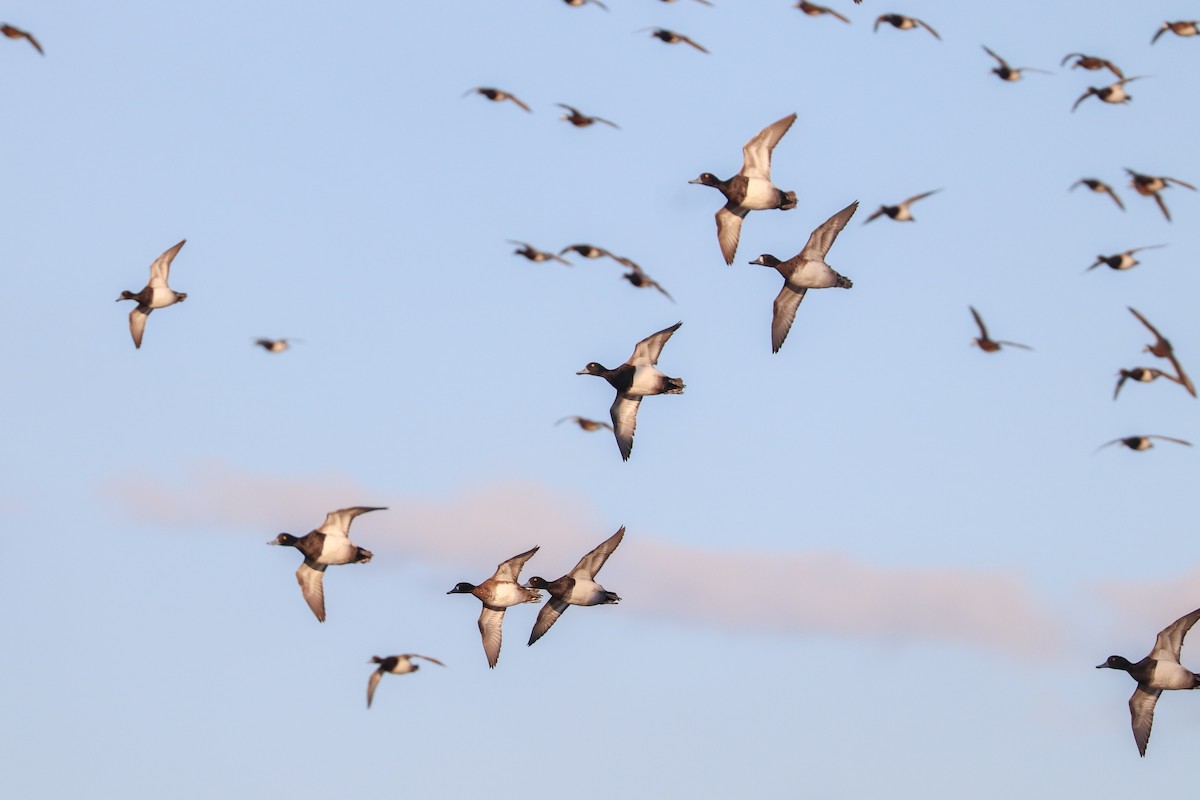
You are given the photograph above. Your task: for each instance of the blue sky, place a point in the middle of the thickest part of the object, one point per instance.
(879, 544)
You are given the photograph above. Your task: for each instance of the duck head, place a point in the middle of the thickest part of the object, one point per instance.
(284, 539)
(1115, 662)
(766, 260)
(462, 588)
(537, 583)
(708, 179)
(592, 368)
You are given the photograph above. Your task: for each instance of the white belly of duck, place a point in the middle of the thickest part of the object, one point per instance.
(161, 297)
(337, 550)
(1169, 675)
(813, 275)
(646, 380)
(507, 594)
(760, 195)
(586, 593)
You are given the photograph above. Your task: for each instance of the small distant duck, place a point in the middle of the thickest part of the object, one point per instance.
(638, 277)
(987, 344)
(1151, 185)
(1113, 93)
(586, 424)
(577, 588)
(900, 212)
(396, 665)
(1181, 28)
(586, 250)
(156, 294)
(751, 189)
(1162, 349)
(275, 345)
(814, 10)
(636, 378)
(326, 546)
(535, 255)
(1091, 63)
(498, 593)
(1157, 671)
(671, 37)
(1142, 375)
(1141, 443)
(707, 3)
(581, 120)
(901, 22)
(1097, 185)
(1007, 73)
(804, 271)
(1123, 260)
(13, 32)
(496, 95)
(578, 3)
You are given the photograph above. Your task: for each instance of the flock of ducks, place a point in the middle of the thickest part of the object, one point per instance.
(751, 189)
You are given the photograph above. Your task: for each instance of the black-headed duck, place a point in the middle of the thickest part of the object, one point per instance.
(535, 255)
(13, 32)
(804, 271)
(581, 120)
(671, 37)
(1092, 63)
(1141, 443)
(1123, 260)
(1113, 93)
(1141, 375)
(985, 342)
(394, 665)
(1161, 348)
(156, 294)
(1151, 185)
(636, 378)
(496, 95)
(498, 593)
(577, 588)
(901, 22)
(1099, 186)
(814, 10)
(638, 277)
(1007, 73)
(326, 546)
(1181, 28)
(901, 211)
(1158, 671)
(275, 345)
(586, 250)
(751, 189)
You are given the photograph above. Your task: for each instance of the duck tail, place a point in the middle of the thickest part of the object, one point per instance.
(613, 597)
(787, 201)
(674, 386)
(844, 282)
(363, 556)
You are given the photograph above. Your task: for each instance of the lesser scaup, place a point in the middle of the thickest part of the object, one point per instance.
(987, 344)
(395, 665)
(498, 593)
(156, 294)
(577, 588)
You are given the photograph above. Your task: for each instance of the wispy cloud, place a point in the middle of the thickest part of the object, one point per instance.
(789, 592)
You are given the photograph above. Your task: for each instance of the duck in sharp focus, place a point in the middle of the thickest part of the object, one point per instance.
(1099, 186)
(156, 294)
(1162, 349)
(1151, 185)
(497, 95)
(498, 593)
(394, 665)
(636, 378)
(751, 189)
(1091, 63)
(586, 424)
(671, 37)
(1141, 443)
(1007, 73)
(1141, 375)
(577, 588)
(900, 212)
(535, 255)
(581, 120)
(13, 32)
(1123, 260)
(814, 10)
(804, 271)
(326, 546)
(1181, 28)
(987, 344)
(1158, 671)
(901, 22)
(1113, 93)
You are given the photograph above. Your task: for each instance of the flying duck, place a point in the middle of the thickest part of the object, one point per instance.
(1151, 185)
(987, 344)
(1181, 28)
(13, 32)
(396, 665)
(904, 23)
(156, 294)
(1091, 63)
(581, 120)
(638, 277)
(275, 345)
(1099, 186)
(751, 189)
(578, 3)
(497, 95)
(586, 250)
(900, 212)
(535, 255)
(1113, 93)
(1141, 443)
(577, 588)
(498, 593)
(804, 271)
(1007, 73)
(1123, 260)
(1162, 349)
(327, 545)
(1142, 375)
(636, 378)
(671, 37)
(1157, 671)
(814, 10)
(586, 424)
